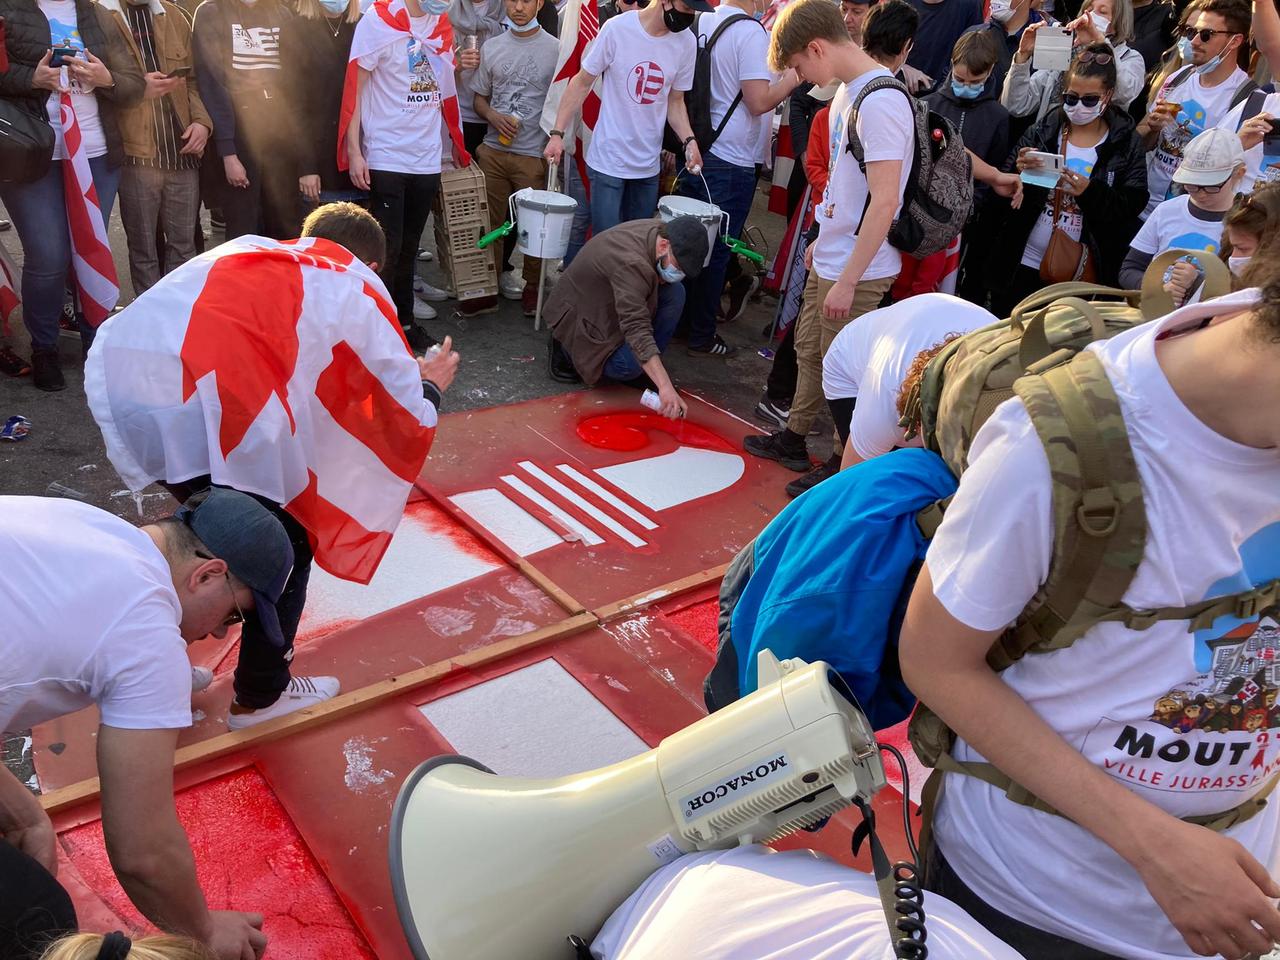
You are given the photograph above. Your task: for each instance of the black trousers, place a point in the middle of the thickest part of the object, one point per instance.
(781, 384)
(34, 908)
(401, 203)
(1025, 282)
(271, 205)
(842, 414)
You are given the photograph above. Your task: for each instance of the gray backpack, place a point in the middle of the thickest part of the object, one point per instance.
(939, 193)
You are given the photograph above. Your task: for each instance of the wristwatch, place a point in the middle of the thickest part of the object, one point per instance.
(556, 133)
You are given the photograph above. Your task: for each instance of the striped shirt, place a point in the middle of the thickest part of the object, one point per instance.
(166, 128)
(255, 48)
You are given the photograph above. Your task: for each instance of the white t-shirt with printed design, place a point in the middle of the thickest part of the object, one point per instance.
(1202, 107)
(741, 54)
(1178, 224)
(886, 128)
(64, 31)
(1261, 165)
(1186, 720)
(400, 121)
(638, 71)
(1079, 160)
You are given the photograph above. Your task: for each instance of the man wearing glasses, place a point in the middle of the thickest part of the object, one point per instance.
(114, 635)
(1199, 95)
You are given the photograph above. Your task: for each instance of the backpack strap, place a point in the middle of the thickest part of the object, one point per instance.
(711, 42)
(851, 120)
(1243, 93)
(1178, 78)
(1252, 106)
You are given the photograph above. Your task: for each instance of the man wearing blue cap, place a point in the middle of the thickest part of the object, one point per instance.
(115, 635)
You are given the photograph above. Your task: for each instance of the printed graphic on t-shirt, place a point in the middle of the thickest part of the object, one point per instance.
(1174, 138)
(511, 81)
(834, 148)
(646, 82)
(1215, 731)
(1269, 169)
(1194, 241)
(255, 48)
(66, 35)
(423, 87)
(1070, 219)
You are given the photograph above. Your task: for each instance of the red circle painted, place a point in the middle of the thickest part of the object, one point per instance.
(628, 432)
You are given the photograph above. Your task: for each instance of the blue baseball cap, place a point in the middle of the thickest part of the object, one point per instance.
(242, 532)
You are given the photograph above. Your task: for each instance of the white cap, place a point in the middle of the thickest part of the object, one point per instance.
(1210, 158)
(826, 92)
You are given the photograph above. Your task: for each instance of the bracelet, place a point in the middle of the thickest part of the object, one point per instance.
(556, 133)
(686, 141)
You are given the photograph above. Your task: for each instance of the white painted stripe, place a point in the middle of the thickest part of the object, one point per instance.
(589, 536)
(590, 509)
(508, 521)
(616, 502)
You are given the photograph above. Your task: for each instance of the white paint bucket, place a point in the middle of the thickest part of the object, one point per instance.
(711, 217)
(544, 220)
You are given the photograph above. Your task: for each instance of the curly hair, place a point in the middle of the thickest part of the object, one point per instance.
(1256, 213)
(911, 382)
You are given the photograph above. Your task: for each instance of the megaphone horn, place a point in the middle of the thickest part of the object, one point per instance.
(486, 867)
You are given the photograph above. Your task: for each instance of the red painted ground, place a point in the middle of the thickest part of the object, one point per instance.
(249, 856)
(700, 621)
(628, 432)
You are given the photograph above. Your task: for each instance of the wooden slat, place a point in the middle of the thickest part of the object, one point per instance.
(649, 597)
(340, 706)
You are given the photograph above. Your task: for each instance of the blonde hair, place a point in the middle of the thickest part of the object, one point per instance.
(311, 10)
(801, 23)
(1121, 19)
(1172, 62)
(85, 946)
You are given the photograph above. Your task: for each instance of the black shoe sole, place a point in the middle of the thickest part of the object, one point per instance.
(791, 463)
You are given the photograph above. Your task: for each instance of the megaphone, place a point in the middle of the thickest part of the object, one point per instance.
(485, 867)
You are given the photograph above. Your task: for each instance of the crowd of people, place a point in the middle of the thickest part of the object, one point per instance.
(316, 132)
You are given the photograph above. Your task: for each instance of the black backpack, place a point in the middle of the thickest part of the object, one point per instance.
(697, 101)
(26, 141)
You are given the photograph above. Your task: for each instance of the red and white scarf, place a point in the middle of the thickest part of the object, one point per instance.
(97, 286)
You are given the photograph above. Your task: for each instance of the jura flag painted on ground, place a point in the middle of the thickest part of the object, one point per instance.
(278, 369)
(580, 25)
(94, 271)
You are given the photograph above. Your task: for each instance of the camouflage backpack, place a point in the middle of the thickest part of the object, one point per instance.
(1099, 519)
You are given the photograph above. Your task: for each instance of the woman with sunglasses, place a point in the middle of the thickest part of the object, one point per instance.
(1100, 21)
(1101, 189)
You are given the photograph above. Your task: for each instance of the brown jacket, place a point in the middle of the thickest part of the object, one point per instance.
(608, 295)
(172, 34)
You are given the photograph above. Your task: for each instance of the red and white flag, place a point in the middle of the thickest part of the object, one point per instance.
(277, 368)
(387, 22)
(579, 27)
(10, 285)
(97, 287)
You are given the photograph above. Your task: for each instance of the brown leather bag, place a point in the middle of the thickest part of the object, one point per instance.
(1065, 259)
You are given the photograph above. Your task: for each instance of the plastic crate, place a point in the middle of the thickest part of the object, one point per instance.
(474, 275)
(461, 218)
(462, 198)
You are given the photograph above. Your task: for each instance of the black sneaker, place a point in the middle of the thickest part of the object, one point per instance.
(419, 340)
(739, 291)
(559, 367)
(774, 411)
(813, 478)
(46, 373)
(717, 348)
(783, 446)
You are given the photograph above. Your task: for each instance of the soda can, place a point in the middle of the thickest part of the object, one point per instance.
(15, 429)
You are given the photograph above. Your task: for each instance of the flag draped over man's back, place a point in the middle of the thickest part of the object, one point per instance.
(94, 270)
(277, 369)
(580, 25)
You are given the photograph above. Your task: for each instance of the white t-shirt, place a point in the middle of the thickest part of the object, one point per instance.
(1168, 713)
(400, 123)
(1070, 219)
(1202, 107)
(1261, 166)
(638, 71)
(751, 902)
(1178, 225)
(64, 31)
(741, 53)
(887, 130)
(871, 356)
(90, 617)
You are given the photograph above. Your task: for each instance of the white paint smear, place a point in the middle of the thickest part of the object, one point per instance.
(616, 502)
(524, 533)
(362, 774)
(420, 561)
(534, 722)
(587, 535)
(590, 509)
(448, 621)
(675, 478)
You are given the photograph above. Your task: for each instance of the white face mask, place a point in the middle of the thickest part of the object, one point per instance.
(1238, 265)
(1080, 114)
(1001, 11)
(1100, 23)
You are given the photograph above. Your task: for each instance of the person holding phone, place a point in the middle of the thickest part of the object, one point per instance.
(98, 74)
(1099, 193)
(164, 139)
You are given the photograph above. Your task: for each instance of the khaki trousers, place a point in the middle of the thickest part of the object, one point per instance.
(504, 174)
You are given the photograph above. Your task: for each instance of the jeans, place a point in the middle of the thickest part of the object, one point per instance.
(39, 212)
(170, 197)
(34, 908)
(615, 200)
(622, 365)
(732, 189)
(401, 203)
(575, 188)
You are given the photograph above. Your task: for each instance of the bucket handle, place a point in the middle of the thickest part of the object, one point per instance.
(702, 176)
(551, 185)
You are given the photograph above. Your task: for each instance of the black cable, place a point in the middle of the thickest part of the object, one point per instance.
(906, 800)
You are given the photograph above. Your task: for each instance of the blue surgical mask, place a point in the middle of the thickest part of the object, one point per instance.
(512, 25)
(757, 15)
(669, 274)
(433, 8)
(1213, 64)
(967, 91)
(1185, 50)
(334, 8)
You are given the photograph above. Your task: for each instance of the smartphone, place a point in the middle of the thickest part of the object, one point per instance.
(1049, 171)
(1053, 49)
(180, 72)
(1271, 140)
(61, 54)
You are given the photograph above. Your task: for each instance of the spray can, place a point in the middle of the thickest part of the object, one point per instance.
(650, 399)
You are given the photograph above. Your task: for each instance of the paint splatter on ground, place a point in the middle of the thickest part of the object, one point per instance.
(627, 432)
(700, 621)
(448, 621)
(362, 773)
(249, 856)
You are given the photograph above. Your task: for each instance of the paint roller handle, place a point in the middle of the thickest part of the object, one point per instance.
(740, 248)
(493, 235)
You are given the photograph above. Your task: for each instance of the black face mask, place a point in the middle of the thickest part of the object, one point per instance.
(675, 20)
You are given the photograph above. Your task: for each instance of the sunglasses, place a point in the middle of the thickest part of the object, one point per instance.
(1089, 99)
(238, 616)
(1189, 33)
(641, 4)
(1101, 59)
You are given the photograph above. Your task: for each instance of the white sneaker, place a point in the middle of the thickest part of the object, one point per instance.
(301, 692)
(423, 310)
(425, 291)
(201, 677)
(511, 285)
(425, 256)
